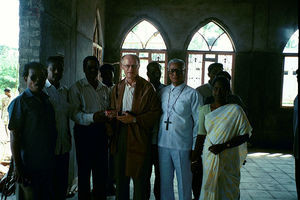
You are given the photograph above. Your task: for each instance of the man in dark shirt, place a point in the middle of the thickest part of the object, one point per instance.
(107, 75)
(33, 136)
(154, 74)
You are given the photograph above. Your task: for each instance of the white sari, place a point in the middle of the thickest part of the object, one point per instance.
(221, 173)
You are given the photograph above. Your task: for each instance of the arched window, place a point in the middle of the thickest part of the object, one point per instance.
(145, 41)
(209, 44)
(290, 86)
(97, 48)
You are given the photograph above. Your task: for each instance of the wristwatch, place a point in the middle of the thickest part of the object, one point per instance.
(134, 120)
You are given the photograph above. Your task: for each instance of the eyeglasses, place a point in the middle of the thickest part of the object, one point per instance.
(178, 71)
(128, 66)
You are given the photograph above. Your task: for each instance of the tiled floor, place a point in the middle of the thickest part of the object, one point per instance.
(268, 176)
(265, 176)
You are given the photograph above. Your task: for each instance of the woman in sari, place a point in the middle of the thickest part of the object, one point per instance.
(223, 132)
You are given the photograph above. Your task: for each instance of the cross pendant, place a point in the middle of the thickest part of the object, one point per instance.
(167, 123)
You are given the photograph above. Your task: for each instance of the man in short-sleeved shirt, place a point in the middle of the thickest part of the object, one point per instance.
(58, 97)
(32, 124)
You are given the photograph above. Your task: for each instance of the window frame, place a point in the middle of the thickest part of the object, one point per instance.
(282, 78)
(97, 48)
(210, 51)
(216, 53)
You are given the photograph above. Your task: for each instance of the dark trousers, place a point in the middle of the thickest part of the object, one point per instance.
(155, 163)
(123, 181)
(91, 154)
(60, 177)
(111, 170)
(197, 180)
(297, 174)
(40, 188)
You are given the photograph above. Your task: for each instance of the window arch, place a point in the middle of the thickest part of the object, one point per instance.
(211, 43)
(289, 84)
(145, 41)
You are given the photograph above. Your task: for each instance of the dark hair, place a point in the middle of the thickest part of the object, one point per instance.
(107, 67)
(214, 65)
(225, 82)
(225, 74)
(33, 65)
(133, 55)
(7, 90)
(153, 64)
(55, 59)
(86, 59)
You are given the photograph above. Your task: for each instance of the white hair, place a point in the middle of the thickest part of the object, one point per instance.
(177, 61)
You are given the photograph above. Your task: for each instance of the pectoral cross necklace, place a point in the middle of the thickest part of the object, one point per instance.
(169, 111)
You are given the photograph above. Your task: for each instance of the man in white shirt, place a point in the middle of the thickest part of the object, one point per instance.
(177, 132)
(58, 98)
(90, 98)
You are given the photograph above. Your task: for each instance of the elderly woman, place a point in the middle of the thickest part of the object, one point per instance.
(223, 132)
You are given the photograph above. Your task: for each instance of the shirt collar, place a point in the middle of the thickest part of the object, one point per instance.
(107, 86)
(179, 87)
(128, 85)
(47, 83)
(30, 94)
(86, 83)
(160, 87)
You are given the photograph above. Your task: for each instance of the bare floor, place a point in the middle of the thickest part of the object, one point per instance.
(265, 176)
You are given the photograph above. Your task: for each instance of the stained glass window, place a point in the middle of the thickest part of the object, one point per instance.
(208, 45)
(145, 41)
(144, 36)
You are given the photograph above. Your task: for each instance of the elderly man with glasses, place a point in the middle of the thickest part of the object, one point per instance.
(135, 108)
(177, 132)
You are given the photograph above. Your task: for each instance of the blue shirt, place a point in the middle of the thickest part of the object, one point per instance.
(182, 132)
(34, 119)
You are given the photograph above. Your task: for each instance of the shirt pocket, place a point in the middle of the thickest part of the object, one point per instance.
(181, 107)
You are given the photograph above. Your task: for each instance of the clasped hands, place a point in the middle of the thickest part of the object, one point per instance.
(124, 117)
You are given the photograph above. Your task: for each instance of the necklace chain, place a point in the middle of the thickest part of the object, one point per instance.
(170, 110)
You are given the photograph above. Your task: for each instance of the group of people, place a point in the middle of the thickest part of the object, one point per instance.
(121, 130)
